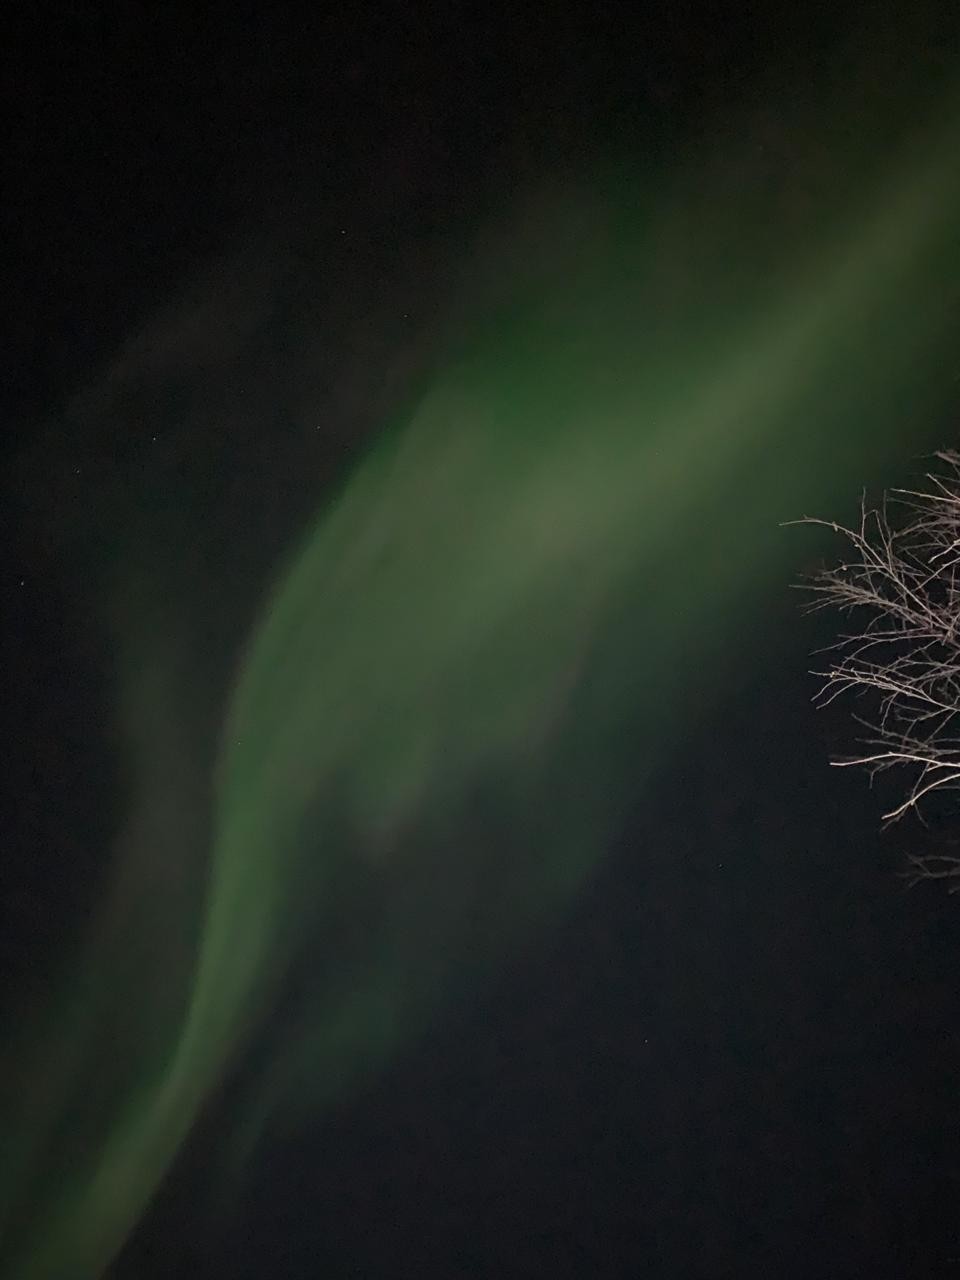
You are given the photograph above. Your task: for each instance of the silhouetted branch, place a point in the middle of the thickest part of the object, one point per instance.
(901, 583)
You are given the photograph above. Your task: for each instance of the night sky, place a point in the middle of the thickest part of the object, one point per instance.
(231, 253)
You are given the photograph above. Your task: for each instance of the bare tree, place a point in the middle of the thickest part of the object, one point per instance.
(901, 588)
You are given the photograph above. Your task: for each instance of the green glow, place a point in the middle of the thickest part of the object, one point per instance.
(548, 552)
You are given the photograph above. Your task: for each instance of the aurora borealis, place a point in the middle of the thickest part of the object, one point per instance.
(545, 551)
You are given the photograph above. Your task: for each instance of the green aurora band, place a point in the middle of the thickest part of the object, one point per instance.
(542, 562)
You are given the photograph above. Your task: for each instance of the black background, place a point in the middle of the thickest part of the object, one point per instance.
(739, 1057)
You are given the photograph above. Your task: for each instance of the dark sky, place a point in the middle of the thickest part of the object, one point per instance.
(138, 140)
(755, 1075)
